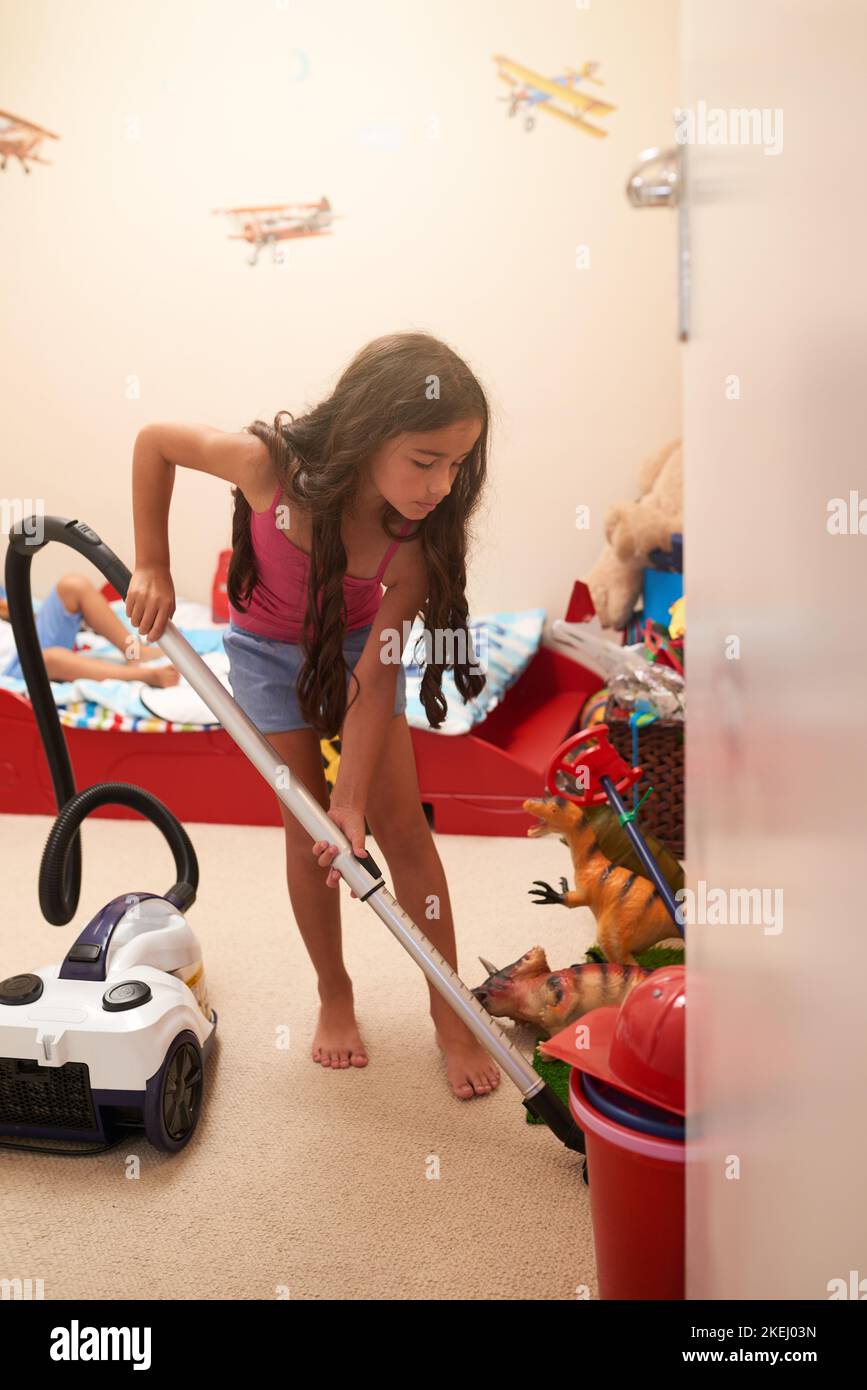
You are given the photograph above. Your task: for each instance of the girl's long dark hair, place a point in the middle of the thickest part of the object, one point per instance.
(401, 383)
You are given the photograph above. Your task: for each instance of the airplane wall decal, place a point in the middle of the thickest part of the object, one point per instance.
(21, 140)
(559, 96)
(270, 223)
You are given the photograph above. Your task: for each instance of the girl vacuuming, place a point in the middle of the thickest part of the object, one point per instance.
(373, 487)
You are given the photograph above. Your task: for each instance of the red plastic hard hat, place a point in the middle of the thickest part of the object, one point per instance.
(640, 1047)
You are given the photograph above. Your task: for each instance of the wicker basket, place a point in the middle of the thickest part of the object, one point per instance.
(661, 759)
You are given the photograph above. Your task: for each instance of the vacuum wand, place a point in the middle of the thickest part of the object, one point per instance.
(362, 874)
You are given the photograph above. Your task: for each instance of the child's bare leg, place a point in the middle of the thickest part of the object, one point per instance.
(398, 825)
(78, 595)
(64, 665)
(420, 882)
(337, 1041)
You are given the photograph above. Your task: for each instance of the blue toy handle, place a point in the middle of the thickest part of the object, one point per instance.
(662, 887)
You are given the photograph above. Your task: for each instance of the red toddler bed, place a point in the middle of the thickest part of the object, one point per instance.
(471, 784)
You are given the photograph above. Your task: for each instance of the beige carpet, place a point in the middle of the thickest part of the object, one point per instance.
(301, 1182)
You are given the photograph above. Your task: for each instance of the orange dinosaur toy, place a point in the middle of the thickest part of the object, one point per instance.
(630, 914)
(529, 991)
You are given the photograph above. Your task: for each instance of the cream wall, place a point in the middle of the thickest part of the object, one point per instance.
(114, 269)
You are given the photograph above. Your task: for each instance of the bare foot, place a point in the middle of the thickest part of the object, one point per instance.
(470, 1070)
(161, 675)
(151, 675)
(337, 1041)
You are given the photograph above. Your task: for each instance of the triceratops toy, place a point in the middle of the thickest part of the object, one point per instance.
(531, 992)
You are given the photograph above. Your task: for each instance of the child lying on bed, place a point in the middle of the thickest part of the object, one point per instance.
(74, 599)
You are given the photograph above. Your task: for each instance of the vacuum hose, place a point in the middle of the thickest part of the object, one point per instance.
(60, 869)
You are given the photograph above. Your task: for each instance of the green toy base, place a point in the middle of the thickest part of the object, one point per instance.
(651, 959)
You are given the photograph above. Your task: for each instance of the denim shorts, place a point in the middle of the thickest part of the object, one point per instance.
(263, 674)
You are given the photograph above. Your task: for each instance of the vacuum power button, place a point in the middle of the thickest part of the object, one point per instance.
(126, 996)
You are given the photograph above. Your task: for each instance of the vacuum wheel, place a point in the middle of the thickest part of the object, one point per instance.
(174, 1095)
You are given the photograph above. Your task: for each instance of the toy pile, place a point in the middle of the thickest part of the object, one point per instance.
(637, 590)
(628, 877)
(645, 677)
(629, 881)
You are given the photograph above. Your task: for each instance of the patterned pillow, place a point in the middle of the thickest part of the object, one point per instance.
(504, 643)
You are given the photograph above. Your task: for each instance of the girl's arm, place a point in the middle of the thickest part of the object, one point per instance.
(366, 722)
(241, 458)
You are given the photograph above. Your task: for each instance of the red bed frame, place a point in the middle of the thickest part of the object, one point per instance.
(472, 784)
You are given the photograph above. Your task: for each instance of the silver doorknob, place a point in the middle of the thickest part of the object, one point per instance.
(656, 179)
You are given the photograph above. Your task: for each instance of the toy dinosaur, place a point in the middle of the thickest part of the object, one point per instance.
(630, 914)
(530, 992)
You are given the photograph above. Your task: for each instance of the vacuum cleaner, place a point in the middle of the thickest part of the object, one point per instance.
(119, 1033)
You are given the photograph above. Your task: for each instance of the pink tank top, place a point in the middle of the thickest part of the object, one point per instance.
(278, 601)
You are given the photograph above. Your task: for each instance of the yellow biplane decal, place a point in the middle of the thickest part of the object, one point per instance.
(559, 96)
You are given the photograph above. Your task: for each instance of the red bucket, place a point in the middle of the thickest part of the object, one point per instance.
(637, 1191)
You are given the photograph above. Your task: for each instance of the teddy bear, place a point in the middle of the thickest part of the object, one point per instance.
(633, 530)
